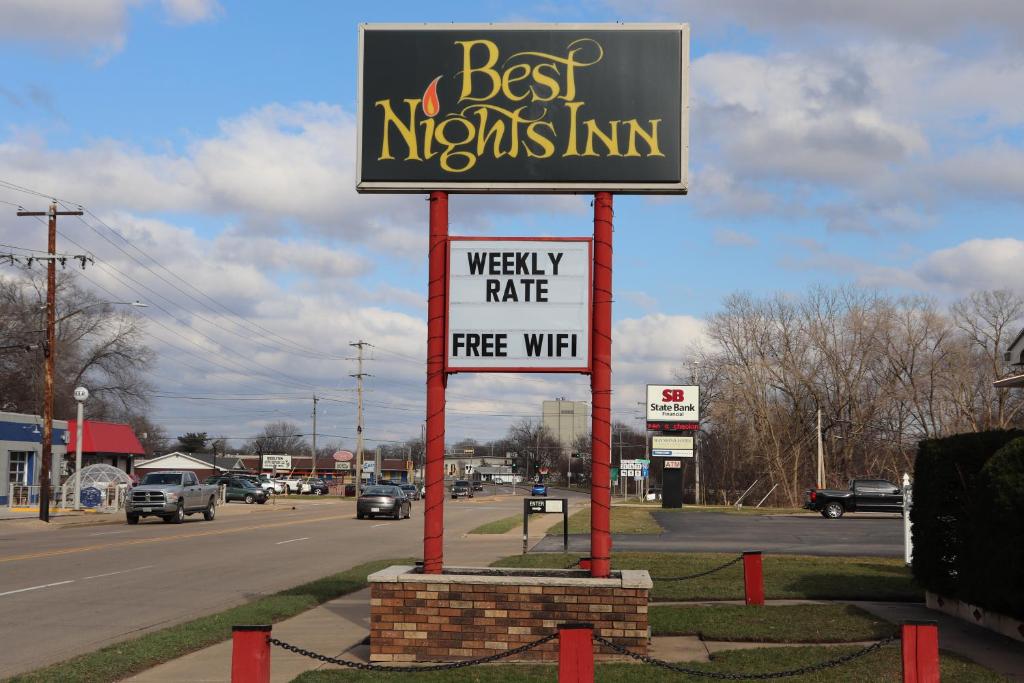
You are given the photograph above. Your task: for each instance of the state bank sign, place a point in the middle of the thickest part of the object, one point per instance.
(519, 304)
(523, 108)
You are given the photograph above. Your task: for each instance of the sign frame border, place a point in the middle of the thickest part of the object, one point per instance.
(647, 410)
(448, 370)
(408, 187)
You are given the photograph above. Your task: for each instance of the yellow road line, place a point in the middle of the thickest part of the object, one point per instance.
(160, 539)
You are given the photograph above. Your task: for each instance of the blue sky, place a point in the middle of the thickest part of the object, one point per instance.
(875, 144)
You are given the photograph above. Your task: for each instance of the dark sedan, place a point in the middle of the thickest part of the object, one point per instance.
(242, 490)
(411, 491)
(389, 501)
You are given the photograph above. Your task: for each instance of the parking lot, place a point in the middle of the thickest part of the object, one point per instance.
(698, 530)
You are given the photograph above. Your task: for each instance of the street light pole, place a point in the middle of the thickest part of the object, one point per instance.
(81, 395)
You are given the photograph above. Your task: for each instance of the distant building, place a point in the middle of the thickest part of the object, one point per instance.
(567, 420)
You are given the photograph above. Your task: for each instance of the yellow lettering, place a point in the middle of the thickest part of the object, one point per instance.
(571, 150)
(408, 132)
(496, 131)
(549, 82)
(650, 138)
(487, 69)
(611, 142)
(428, 137)
(547, 146)
(450, 153)
(510, 77)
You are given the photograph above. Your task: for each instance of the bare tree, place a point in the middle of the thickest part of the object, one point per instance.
(279, 437)
(98, 346)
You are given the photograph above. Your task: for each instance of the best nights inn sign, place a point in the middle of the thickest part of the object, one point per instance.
(523, 108)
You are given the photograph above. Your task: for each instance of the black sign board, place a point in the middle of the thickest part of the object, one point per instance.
(523, 108)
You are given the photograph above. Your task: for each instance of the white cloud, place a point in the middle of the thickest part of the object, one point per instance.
(61, 25)
(924, 20)
(733, 238)
(191, 11)
(974, 264)
(99, 27)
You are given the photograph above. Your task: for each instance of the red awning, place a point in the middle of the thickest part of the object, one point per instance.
(104, 437)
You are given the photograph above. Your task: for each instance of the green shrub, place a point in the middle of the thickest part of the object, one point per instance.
(950, 516)
(995, 576)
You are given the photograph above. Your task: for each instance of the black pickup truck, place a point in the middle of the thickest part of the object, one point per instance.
(864, 495)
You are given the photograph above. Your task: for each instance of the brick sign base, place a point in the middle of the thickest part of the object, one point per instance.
(468, 612)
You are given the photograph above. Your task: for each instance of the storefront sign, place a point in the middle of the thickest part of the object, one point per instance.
(344, 466)
(672, 404)
(673, 464)
(518, 305)
(520, 108)
(277, 462)
(684, 443)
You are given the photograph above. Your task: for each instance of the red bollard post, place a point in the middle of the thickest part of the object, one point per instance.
(575, 653)
(250, 654)
(753, 578)
(920, 645)
(585, 563)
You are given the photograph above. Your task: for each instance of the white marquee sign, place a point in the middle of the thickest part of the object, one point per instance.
(519, 305)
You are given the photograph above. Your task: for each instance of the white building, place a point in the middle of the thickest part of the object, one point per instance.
(567, 420)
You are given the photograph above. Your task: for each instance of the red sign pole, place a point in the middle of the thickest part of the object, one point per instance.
(601, 390)
(433, 517)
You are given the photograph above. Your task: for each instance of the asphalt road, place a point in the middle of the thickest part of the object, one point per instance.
(68, 591)
(700, 531)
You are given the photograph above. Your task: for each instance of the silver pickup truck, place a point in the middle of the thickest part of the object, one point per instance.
(171, 495)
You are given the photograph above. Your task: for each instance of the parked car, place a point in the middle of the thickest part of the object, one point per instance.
(240, 489)
(461, 488)
(171, 496)
(478, 486)
(263, 481)
(539, 490)
(383, 500)
(864, 495)
(653, 493)
(292, 484)
(412, 492)
(316, 487)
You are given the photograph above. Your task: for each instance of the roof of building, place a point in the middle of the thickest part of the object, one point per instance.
(179, 461)
(105, 437)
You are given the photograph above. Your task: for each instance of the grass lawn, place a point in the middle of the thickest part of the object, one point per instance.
(771, 624)
(785, 576)
(118, 661)
(500, 526)
(625, 520)
(729, 509)
(882, 666)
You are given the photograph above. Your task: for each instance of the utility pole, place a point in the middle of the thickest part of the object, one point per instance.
(49, 351)
(821, 456)
(359, 414)
(315, 400)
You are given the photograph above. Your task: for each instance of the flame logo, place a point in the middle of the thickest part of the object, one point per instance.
(430, 104)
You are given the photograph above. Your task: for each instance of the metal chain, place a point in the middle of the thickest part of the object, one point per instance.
(698, 574)
(447, 666)
(810, 668)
